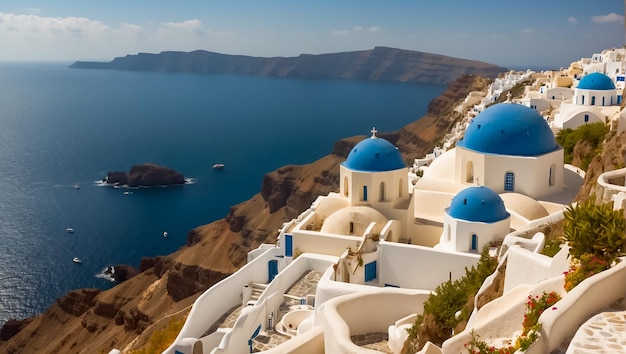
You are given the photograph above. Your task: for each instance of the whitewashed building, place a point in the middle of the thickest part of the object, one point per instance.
(595, 100)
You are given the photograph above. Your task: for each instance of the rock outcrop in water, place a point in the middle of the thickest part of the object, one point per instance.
(378, 64)
(126, 316)
(146, 175)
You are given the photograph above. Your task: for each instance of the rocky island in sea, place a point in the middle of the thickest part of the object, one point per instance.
(145, 175)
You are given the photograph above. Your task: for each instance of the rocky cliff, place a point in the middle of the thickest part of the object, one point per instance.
(124, 317)
(378, 64)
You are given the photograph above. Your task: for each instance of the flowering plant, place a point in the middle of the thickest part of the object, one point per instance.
(535, 306)
(582, 269)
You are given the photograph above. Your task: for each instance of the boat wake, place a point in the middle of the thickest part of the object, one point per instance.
(101, 183)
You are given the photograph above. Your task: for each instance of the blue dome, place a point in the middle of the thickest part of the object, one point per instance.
(478, 204)
(596, 81)
(509, 129)
(374, 155)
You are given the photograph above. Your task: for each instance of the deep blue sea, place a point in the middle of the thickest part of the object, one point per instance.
(61, 126)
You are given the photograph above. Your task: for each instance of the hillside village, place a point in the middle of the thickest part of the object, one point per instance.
(353, 273)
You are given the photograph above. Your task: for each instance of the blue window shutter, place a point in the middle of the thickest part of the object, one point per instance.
(288, 246)
(370, 271)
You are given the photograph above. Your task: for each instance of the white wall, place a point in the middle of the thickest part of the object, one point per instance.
(252, 317)
(576, 120)
(460, 233)
(320, 243)
(526, 267)
(416, 267)
(584, 97)
(585, 300)
(531, 173)
(559, 93)
(221, 297)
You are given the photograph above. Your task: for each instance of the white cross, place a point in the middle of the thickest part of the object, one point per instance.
(374, 131)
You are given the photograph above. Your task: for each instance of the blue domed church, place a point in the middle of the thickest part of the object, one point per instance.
(476, 216)
(595, 89)
(510, 148)
(375, 174)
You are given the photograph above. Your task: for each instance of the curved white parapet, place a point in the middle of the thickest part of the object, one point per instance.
(603, 179)
(614, 192)
(398, 333)
(291, 321)
(349, 315)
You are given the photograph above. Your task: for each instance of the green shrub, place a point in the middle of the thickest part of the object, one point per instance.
(593, 133)
(595, 230)
(450, 297)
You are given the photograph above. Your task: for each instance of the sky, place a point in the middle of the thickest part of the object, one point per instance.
(530, 33)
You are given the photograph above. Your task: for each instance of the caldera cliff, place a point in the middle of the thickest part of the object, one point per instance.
(378, 64)
(126, 316)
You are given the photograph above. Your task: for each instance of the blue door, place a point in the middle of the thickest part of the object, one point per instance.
(288, 245)
(370, 271)
(474, 242)
(272, 269)
(256, 333)
(365, 193)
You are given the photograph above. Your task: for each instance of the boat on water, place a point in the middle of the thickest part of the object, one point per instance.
(128, 192)
(77, 186)
(218, 166)
(77, 260)
(69, 230)
(165, 234)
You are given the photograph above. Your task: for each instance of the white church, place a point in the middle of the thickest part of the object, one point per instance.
(595, 99)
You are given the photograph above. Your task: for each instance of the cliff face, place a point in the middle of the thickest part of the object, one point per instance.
(92, 321)
(378, 64)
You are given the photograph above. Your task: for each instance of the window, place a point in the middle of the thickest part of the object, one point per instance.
(469, 172)
(400, 189)
(586, 118)
(345, 186)
(583, 98)
(551, 175)
(474, 242)
(593, 100)
(382, 192)
(370, 271)
(364, 195)
(509, 181)
(351, 227)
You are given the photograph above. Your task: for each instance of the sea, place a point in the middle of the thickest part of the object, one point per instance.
(63, 128)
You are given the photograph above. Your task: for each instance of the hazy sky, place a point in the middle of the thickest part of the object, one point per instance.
(504, 32)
